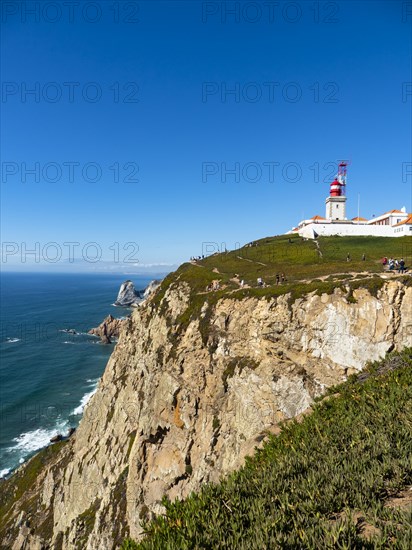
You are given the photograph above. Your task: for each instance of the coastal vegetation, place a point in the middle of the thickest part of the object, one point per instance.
(22, 485)
(318, 266)
(339, 477)
(300, 260)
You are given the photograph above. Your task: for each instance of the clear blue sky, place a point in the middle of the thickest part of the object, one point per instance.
(312, 88)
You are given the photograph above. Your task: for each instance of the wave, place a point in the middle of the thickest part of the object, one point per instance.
(74, 332)
(93, 340)
(11, 340)
(34, 440)
(84, 400)
(29, 442)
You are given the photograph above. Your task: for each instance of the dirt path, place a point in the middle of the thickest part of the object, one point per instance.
(318, 248)
(251, 261)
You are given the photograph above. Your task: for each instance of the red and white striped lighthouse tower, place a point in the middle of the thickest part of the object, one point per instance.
(336, 202)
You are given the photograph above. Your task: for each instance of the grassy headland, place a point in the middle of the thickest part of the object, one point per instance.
(300, 260)
(308, 266)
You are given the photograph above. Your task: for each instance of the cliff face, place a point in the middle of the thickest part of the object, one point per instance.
(180, 406)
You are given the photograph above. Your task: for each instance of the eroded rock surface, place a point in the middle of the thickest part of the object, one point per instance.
(108, 329)
(128, 296)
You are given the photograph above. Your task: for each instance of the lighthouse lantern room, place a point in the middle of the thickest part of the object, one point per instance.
(336, 202)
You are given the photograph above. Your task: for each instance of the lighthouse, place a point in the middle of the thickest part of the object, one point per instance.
(393, 223)
(336, 202)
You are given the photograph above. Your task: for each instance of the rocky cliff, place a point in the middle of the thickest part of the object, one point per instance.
(185, 396)
(128, 296)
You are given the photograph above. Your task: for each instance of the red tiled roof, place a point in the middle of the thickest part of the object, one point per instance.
(407, 221)
(393, 212)
(317, 218)
(359, 219)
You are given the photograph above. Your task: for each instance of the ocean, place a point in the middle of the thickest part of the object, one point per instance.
(47, 375)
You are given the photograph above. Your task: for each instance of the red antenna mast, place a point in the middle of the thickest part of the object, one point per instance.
(341, 176)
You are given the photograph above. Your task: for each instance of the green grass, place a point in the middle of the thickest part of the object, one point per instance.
(302, 262)
(299, 260)
(306, 488)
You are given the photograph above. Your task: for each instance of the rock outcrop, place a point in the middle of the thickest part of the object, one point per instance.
(128, 296)
(185, 398)
(108, 329)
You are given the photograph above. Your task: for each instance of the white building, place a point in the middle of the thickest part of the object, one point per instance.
(395, 223)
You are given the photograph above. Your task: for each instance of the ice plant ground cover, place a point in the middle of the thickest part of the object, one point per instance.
(340, 478)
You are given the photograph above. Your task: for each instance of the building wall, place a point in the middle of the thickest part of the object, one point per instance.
(336, 208)
(402, 230)
(391, 219)
(330, 229)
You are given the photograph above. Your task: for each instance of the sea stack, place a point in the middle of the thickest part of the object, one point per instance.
(128, 296)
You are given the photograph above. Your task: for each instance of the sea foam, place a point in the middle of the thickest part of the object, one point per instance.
(85, 399)
(29, 442)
